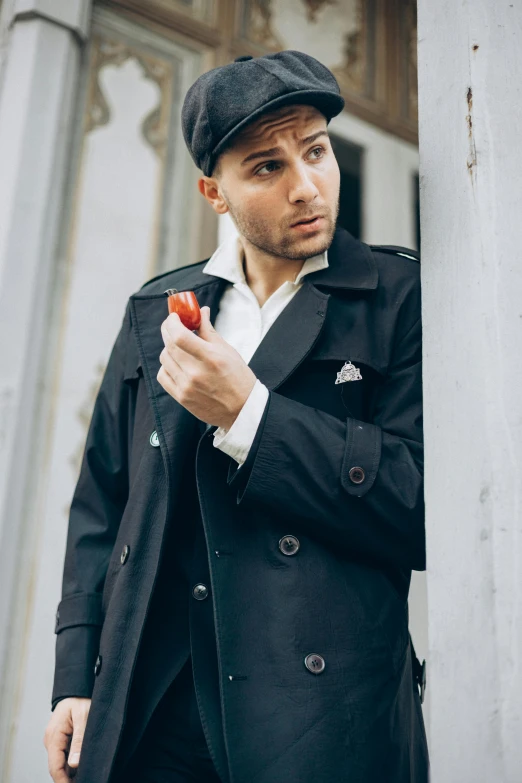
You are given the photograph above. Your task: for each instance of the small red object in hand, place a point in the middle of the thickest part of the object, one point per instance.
(185, 304)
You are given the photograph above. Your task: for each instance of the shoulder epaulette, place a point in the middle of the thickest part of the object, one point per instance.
(171, 271)
(395, 250)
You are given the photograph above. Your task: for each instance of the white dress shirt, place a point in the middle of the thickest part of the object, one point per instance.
(243, 324)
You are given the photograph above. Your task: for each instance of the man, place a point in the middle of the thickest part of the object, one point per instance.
(250, 502)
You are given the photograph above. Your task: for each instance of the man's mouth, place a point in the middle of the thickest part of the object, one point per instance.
(306, 220)
(309, 224)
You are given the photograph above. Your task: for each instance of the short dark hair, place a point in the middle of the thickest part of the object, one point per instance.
(216, 169)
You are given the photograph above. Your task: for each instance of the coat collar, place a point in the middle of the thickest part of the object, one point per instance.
(350, 265)
(297, 328)
(227, 262)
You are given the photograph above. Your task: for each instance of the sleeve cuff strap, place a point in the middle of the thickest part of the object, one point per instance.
(79, 609)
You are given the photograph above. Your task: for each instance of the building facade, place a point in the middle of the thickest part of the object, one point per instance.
(98, 194)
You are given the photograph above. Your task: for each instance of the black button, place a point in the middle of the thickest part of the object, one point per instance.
(243, 58)
(200, 592)
(289, 545)
(357, 475)
(314, 663)
(124, 554)
(98, 665)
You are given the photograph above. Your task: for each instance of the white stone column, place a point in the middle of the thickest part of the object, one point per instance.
(470, 85)
(40, 57)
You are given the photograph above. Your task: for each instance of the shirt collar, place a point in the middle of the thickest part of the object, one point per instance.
(227, 262)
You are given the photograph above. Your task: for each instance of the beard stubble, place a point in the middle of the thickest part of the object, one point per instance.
(291, 246)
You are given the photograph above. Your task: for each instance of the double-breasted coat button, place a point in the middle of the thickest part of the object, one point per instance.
(200, 592)
(98, 665)
(357, 475)
(315, 663)
(289, 545)
(154, 440)
(124, 554)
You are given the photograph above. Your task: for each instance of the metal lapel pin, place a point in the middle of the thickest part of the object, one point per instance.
(348, 373)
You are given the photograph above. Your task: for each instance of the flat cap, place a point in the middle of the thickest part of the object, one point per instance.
(224, 100)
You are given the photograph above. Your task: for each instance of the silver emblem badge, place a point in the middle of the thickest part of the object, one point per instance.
(348, 373)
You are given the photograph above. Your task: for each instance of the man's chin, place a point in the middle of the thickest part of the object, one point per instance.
(308, 246)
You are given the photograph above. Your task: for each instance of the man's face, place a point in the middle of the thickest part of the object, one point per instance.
(279, 171)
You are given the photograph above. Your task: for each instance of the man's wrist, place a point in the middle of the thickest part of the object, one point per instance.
(237, 440)
(225, 426)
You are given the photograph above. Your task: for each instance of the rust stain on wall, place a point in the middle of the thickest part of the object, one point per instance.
(472, 157)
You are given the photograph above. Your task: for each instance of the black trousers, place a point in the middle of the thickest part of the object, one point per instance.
(173, 748)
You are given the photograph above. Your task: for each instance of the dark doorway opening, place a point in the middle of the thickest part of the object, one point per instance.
(349, 158)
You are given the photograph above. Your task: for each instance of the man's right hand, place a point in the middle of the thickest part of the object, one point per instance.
(64, 737)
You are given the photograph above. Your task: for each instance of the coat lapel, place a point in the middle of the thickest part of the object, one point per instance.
(174, 423)
(291, 337)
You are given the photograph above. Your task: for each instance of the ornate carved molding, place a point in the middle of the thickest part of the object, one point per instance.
(353, 71)
(204, 11)
(313, 7)
(155, 125)
(257, 26)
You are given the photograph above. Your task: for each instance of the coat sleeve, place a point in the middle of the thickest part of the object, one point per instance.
(352, 483)
(96, 510)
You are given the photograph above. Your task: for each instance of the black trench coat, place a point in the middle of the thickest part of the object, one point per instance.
(342, 596)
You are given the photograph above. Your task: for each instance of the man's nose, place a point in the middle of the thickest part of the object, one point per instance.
(302, 186)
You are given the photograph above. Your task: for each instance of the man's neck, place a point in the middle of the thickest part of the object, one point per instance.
(265, 273)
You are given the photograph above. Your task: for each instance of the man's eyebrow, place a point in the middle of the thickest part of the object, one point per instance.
(277, 150)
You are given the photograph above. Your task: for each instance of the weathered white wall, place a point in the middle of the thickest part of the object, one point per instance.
(37, 91)
(470, 84)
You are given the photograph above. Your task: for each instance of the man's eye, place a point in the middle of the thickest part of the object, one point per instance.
(318, 149)
(270, 163)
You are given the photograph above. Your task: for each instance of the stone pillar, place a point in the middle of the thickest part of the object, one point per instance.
(470, 84)
(41, 45)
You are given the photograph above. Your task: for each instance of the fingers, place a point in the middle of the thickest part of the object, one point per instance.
(76, 747)
(175, 335)
(205, 330)
(56, 741)
(168, 383)
(67, 721)
(57, 763)
(80, 712)
(174, 369)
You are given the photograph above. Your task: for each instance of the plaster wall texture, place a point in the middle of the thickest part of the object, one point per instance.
(470, 82)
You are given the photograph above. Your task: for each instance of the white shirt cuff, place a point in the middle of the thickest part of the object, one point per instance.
(237, 440)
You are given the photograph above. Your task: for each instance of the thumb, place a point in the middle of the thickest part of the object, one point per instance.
(76, 746)
(205, 329)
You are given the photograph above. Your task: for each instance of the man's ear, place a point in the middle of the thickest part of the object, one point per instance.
(209, 188)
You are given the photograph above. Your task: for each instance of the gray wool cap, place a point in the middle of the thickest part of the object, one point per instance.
(224, 100)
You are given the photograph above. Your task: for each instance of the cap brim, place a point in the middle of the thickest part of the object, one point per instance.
(329, 103)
